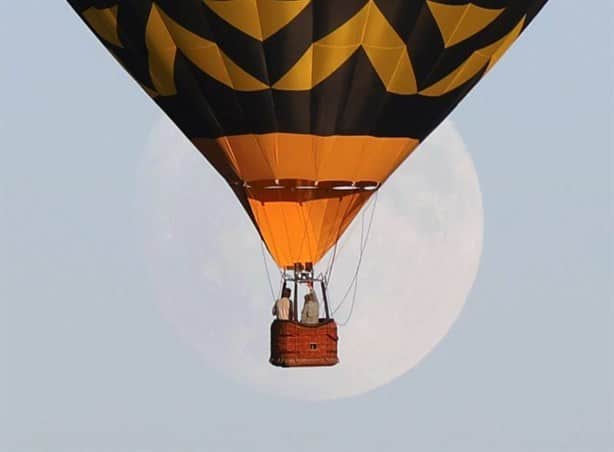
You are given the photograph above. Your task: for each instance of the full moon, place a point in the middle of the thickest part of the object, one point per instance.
(211, 282)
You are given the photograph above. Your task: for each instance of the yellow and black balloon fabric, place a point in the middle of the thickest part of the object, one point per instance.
(306, 107)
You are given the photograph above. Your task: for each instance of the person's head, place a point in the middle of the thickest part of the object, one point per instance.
(286, 293)
(308, 297)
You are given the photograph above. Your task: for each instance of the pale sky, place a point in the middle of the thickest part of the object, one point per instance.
(88, 364)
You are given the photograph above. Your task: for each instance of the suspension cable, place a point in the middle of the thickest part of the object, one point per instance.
(349, 317)
(337, 251)
(266, 266)
(331, 261)
(364, 238)
(354, 279)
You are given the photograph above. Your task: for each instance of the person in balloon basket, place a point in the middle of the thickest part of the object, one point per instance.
(283, 307)
(310, 314)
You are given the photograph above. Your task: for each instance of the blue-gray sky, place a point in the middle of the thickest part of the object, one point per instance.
(88, 364)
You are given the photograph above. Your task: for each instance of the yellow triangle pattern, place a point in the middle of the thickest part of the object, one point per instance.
(485, 57)
(275, 14)
(459, 22)
(507, 43)
(104, 23)
(161, 50)
(368, 29)
(241, 80)
(300, 77)
(388, 54)
(259, 19)
(326, 55)
(208, 57)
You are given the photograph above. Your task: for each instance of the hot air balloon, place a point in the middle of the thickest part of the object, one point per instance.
(306, 107)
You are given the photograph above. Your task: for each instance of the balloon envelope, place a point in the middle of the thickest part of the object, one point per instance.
(306, 107)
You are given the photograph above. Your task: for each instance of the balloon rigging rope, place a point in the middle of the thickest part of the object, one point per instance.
(354, 281)
(331, 262)
(268, 273)
(347, 320)
(351, 233)
(338, 249)
(364, 238)
(337, 238)
(353, 286)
